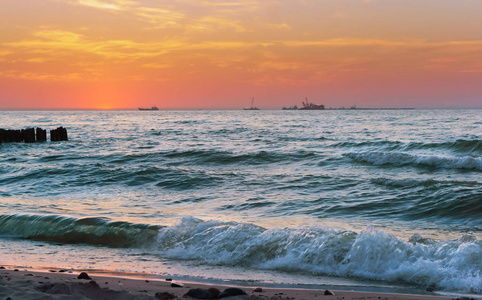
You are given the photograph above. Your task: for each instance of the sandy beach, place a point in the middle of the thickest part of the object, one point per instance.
(65, 284)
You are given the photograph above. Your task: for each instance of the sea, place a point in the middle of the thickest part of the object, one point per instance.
(349, 199)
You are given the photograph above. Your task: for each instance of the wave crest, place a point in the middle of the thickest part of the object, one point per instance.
(453, 265)
(402, 159)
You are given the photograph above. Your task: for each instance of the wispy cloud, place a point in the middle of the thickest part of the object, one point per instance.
(99, 4)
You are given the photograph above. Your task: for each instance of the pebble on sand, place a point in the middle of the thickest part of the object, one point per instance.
(229, 292)
(176, 285)
(84, 275)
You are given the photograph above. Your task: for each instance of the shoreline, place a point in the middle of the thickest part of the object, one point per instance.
(27, 283)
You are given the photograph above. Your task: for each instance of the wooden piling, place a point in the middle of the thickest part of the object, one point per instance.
(41, 134)
(31, 135)
(28, 135)
(59, 134)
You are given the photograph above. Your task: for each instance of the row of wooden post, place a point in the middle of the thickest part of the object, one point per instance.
(31, 135)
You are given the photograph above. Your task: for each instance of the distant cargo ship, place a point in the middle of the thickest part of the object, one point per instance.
(310, 106)
(148, 108)
(252, 107)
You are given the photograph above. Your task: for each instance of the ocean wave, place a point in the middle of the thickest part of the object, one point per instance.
(227, 157)
(95, 231)
(370, 254)
(402, 159)
(452, 265)
(462, 147)
(467, 147)
(102, 174)
(410, 182)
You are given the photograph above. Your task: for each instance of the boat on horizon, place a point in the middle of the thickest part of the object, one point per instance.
(252, 107)
(310, 106)
(148, 108)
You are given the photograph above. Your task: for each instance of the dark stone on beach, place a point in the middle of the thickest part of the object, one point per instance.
(84, 275)
(16, 270)
(176, 285)
(329, 293)
(53, 271)
(168, 279)
(229, 292)
(2, 268)
(199, 294)
(62, 271)
(258, 290)
(164, 296)
(215, 292)
(28, 274)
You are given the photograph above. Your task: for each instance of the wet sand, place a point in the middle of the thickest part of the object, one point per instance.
(52, 284)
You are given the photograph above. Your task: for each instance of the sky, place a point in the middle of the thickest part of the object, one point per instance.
(218, 54)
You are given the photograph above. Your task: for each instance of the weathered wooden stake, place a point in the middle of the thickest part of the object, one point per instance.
(41, 135)
(59, 134)
(28, 135)
(31, 135)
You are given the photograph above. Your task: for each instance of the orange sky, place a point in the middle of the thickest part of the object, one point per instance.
(218, 54)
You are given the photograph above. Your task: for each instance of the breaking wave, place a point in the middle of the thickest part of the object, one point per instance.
(451, 265)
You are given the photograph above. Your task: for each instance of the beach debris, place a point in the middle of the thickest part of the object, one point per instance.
(62, 271)
(2, 268)
(199, 294)
(258, 290)
(164, 296)
(176, 285)
(329, 293)
(16, 270)
(84, 275)
(53, 271)
(229, 292)
(168, 279)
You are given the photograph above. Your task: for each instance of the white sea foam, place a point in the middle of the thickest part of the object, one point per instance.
(371, 254)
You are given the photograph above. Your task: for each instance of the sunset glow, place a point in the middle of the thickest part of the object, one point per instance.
(114, 54)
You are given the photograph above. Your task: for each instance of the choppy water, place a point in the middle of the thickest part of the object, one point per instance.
(389, 197)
